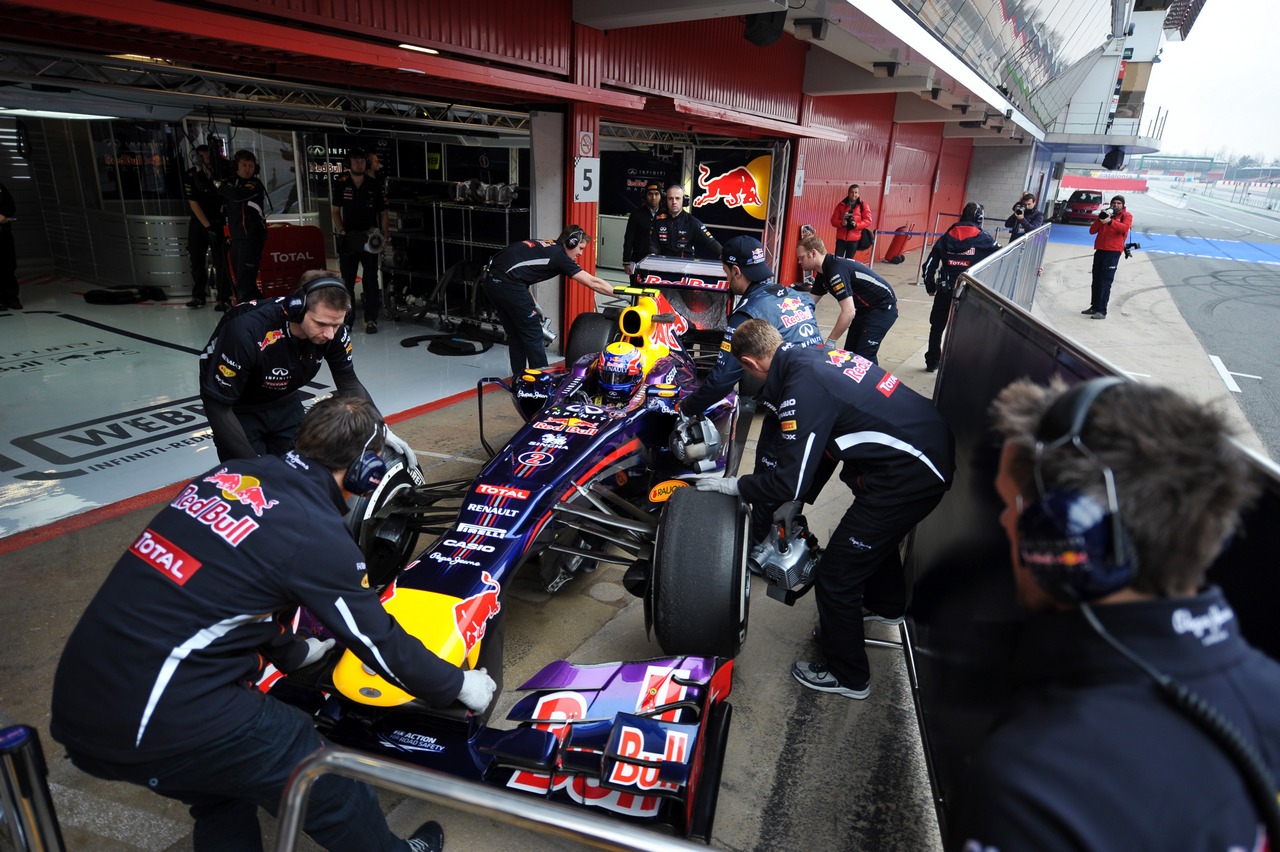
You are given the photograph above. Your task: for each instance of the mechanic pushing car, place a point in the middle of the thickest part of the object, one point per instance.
(155, 685)
(517, 268)
(898, 456)
(263, 353)
(788, 311)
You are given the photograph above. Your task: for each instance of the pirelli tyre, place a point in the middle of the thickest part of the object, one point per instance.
(387, 542)
(700, 587)
(590, 333)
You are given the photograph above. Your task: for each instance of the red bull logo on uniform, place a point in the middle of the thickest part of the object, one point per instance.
(270, 338)
(245, 489)
(791, 303)
(473, 614)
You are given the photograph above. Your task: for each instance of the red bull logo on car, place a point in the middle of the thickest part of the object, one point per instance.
(472, 615)
(742, 187)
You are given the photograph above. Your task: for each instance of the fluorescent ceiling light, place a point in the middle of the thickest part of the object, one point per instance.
(420, 49)
(44, 113)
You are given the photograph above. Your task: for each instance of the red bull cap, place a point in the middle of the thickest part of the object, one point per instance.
(747, 254)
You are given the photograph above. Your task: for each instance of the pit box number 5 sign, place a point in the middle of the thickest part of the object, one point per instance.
(586, 179)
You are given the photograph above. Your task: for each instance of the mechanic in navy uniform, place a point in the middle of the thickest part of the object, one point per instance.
(205, 229)
(899, 459)
(246, 199)
(156, 685)
(676, 233)
(788, 311)
(359, 205)
(517, 268)
(1091, 754)
(635, 244)
(9, 300)
(260, 357)
(868, 305)
(963, 244)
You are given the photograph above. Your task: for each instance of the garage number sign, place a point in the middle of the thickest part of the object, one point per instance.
(586, 179)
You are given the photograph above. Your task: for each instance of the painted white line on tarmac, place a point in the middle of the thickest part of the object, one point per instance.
(1139, 375)
(1247, 376)
(1225, 374)
(448, 457)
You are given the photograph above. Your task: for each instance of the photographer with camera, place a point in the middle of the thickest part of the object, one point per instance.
(1112, 230)
(1025, 219)
(852, 219)
(360, 222)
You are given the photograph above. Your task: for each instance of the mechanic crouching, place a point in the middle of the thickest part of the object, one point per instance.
(790, 313)
(898, 456)
(156, 684)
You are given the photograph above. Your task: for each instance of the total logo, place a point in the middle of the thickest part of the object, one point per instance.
(503, 491)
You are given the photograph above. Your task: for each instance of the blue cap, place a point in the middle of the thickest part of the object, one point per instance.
(747, 254)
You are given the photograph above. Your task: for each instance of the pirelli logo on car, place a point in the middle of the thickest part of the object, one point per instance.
(661, 492)
(788, 425)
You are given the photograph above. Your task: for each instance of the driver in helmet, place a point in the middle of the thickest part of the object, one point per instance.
(619, 371)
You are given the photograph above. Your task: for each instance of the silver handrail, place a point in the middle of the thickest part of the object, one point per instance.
(440, 788)
(25, 802)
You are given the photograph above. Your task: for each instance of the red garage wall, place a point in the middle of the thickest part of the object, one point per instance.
(912, 169)
(953, 175)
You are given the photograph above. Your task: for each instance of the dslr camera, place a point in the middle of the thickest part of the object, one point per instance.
(1104, 214)
(1019, 208)
(848, 221)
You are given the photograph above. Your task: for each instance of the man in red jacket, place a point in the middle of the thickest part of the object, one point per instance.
(849, 219)
(1112, 229)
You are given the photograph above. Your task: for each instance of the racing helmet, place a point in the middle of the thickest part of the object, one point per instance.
(619, 369)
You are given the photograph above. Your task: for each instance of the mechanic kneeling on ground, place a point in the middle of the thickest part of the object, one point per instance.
(853, 284)
(791, 314)
(156, 684)
(517, 268)
(263, 353)
(898, 456)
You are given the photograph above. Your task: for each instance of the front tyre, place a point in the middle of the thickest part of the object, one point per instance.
(700, 586)
(386, 542)
(590, 333)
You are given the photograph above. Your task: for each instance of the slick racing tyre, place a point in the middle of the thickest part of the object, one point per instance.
(387, 542)
(590, 333)
(700, 585)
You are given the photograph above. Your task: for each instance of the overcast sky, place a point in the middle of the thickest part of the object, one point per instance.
(1219, 85)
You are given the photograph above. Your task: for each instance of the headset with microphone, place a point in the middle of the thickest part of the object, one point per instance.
(295, 307)
(573, 237)
(366, 472)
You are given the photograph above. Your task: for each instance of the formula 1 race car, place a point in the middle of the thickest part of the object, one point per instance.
(599, 473)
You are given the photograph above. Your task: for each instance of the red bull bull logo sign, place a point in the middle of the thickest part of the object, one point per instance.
(742, 187)
(472, 615)
(246, 490)
(270, 338)
(216, 512)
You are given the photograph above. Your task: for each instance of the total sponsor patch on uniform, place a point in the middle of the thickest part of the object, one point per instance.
(888, 384)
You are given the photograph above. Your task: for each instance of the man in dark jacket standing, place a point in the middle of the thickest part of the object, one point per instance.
(246, 198)
(964, 244)
(635, 244)
(156, 684)
(898, 457)
(676, 233)
(204, 231)
(360, 210)
(1025, 217)
(1112, 230)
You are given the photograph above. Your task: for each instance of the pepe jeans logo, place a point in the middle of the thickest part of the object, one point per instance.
(1208, 627)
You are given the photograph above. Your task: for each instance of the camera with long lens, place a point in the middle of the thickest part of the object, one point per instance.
(1104, 214)
(848, 221)
(1019, 208)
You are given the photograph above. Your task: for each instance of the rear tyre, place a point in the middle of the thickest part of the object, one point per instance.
(700, 586)
(590, 333)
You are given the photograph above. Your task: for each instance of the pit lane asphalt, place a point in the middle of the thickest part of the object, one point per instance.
(803, 771)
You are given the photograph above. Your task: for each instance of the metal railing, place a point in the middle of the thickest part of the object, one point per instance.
(516, 809)
(1014, 270)
(25, 803)
(1099, 119)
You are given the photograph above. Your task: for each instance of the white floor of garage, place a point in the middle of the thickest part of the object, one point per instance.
(98, 399)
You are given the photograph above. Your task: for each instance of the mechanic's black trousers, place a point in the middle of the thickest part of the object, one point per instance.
(867, 331)
(367, 262)
(937, 324)
(861, 567)
(521, 321)
(1104, 272)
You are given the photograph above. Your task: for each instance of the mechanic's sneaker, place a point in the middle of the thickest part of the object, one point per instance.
(428, 838)
(931, 368)
(1089, 310)
(371, 328)
(196, 303)
(1098, 315)
(756, 558)
(818, 676)
(868, 615)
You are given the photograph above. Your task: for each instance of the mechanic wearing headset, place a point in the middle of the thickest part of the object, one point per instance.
(898, 456)
(1091, 750)
(517, 268)
(963, 244)
(788, 311)
(260, 356)
(156, 684)
(676, 233)
(852, 283)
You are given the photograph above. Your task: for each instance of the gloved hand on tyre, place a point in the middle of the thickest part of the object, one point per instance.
(396, 443)
(723, 484)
